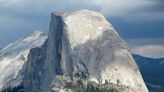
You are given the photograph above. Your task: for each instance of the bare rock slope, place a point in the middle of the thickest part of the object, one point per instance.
(14, 56)
(82, 51)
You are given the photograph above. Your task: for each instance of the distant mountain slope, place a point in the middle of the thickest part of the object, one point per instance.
(14, 56)
(152, 71)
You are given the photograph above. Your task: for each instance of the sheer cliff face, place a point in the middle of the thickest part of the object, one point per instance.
(82, 44)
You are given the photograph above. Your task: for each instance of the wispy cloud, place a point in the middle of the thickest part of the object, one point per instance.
(152, 51)
(119, 8)
(148, 47)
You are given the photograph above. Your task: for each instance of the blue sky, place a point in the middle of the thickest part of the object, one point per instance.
(139, 22)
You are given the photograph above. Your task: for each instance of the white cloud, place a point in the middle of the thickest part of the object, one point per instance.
(153, 51)
(147, 47)
(122, 7)
(119, 8)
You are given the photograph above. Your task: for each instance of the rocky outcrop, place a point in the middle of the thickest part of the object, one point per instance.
(81, 45)
(14, 56)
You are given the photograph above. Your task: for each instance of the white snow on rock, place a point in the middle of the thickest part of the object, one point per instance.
(14, 56)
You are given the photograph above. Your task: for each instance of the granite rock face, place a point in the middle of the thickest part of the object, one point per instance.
(13, 59)
(81, 45)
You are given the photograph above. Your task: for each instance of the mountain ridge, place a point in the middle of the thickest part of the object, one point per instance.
(152, 71)
(86, 39)
(83, 52)
(14, 56)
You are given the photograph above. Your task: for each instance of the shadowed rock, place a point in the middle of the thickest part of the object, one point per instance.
(81, 44)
